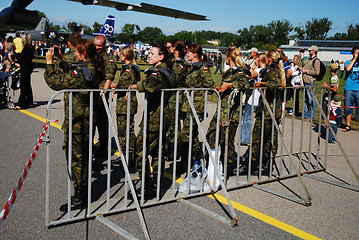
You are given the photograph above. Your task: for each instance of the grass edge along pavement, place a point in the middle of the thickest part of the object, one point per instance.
(239, 207)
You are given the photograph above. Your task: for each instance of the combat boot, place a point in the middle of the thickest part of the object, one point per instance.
(78, 201)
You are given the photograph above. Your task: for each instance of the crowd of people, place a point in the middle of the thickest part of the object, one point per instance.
(88, 64)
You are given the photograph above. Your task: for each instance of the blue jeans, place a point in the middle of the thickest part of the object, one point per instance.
(331, 137)
(219, 66)
(309, 102)
(247, 124)
(351, 98)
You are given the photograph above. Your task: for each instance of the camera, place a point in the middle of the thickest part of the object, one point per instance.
(56, 50)
(301, 50)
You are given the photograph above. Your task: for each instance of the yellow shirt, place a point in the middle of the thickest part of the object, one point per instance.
(18, 45)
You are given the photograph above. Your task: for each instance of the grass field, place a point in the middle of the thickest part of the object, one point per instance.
(217, 79)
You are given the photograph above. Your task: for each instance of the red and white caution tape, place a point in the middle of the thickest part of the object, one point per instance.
(12, 198)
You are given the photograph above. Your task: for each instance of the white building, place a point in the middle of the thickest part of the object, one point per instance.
(328, 49)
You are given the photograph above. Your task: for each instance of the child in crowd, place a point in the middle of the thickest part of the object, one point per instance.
(335, 117)
(332, 87)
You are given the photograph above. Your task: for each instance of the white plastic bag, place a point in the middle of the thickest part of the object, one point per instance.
(200, 178)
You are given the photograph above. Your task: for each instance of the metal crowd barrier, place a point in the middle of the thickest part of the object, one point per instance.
(294, 158)
(301, 152)
(114, 198)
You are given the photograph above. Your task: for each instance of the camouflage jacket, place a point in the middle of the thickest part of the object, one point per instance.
(237, 77)
(110, 68)
(157, 78)
(129, 74)
(273, 93)
(81, 76)
(198, 76)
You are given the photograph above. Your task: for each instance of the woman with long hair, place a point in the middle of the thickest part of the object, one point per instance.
(234, 77)
(274, 80)
(129, 74)
(158, 77)
(180, 70)
(198, 76)
(86, 74)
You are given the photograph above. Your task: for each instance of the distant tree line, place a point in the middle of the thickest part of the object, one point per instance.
(269, 36)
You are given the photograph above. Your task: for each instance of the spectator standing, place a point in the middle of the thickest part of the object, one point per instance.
(253, 100)
(341, 66)
(332, 87)
(101, 120)
(253, 55)
(75, 78)
(233, 78)
(273, 77)
(219, 63)
(351, 87)
(9, 51)
(2, 50)
(25, 61)
(335, 116)
(18, 43)
(310, 70)
(158, 77)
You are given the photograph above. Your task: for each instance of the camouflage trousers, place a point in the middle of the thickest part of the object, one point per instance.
(121, 132)
(152, 148)
(80, 158)
(211, 137)
(269, 148)
(185, 132)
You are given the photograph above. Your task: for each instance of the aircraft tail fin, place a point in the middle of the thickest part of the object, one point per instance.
(41, 25)
(108, 28)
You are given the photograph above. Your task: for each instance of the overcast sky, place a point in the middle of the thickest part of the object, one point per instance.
(225, 15)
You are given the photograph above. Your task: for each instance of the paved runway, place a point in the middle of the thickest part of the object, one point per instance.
(334, 213)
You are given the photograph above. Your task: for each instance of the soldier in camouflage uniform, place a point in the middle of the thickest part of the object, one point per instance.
(100, 117)
(234, 77)
(198, 76)
(129, 74)
(82, 75)
(180, 70)
(272, 79)
(65, 63)
(158, 77)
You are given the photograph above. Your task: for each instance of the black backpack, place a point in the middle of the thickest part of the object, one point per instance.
(322, 70)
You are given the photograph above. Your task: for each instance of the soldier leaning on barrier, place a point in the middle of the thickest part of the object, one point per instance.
(100, 116)
(272, 79)
(198, 76)
(180, 70)
(129, 74)
(234, 77)
(158, 77)
(83, 75)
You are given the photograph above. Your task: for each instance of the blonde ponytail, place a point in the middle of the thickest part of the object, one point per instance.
(282, 74)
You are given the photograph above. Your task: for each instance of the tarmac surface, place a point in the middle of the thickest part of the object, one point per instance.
(334, 213)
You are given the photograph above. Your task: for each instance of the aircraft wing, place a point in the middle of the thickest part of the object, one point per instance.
(144, 8)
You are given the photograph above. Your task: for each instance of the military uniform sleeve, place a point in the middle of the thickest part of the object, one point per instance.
(207, 80)
(151, 84)
(240, 80)
(271, 79)
(57, 79)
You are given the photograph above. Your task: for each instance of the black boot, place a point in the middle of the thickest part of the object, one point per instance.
(243, 166)
(149, 189)
(78, 201)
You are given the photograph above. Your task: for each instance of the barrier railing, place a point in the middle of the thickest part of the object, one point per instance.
(116, 198)
(294, 159)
